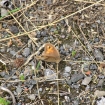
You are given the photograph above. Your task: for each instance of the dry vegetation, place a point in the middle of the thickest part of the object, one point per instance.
(76, 28)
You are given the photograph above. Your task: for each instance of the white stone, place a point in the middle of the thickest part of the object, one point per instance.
(67, 69)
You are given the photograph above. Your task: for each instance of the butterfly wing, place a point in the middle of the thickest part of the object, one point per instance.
(50, 51)
(50, 54)
(48, 59)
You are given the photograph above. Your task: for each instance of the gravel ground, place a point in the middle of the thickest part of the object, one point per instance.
(76, 29)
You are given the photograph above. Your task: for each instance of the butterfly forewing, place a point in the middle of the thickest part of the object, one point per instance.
(50, 54)
(50, 50)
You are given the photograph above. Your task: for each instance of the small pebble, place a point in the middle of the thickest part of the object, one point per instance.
(86, 58)
(85, 66)
(31, 96)
(43, 33)
(38, 36)
(101, 76)
(75, 102)
(101, 102)
(87, 88)
(63, 36)
(26, 52)
(4, 12)
(76, 86)
(49, 2)
(61, 48)
(86, 80)
(67, 53)
(14, 77)
(14, 29)
(40, 89)
(29, 43)
(52, 29)
(94, 25)
(75, 78)
(32, 81)
(18, 90)
(100, 82)
(98, 55)
(67, 69)
(66, 74)
(93, 66)
(45, 39)
(67, 99)
(50, 75)
(6, 76)
(70, 49)
(2, 50)
(12, 52)
(63, 52)
(98, 93)
(19, 103)
(18, 56)
(38, 32)
(98, 21)
(96, 40)
(89, 47)
(2, 73)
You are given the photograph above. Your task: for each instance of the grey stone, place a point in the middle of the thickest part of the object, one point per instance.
(101, 101)
(98, 55)
(66, 74)
(38, 36)
(93, 66)
(100, 82)
(14, 77)
(101, 76)
(12, 52)
(98, 21)
(49, 2)
(26, 52)
(75, 78)
(31, 96)
(76, 86)
(85, 66)
(67, 98)
(4, 12)
(96, 40)
(50, 75)
(43, 33)
(40, 89)
(86, 80)
(33, 82)
(2, 73)
(18, 90)
(14, 29)
(67, 69)
(75, 102)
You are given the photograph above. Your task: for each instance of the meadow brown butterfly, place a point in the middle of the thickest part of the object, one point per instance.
(50, 54)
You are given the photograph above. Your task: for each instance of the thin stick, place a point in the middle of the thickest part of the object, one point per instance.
(37, 83)
(57, 84)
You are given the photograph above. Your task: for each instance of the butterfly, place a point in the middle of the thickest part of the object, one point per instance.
(50, 54)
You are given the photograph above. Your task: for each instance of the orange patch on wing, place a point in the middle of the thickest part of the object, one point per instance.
(49, 50)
